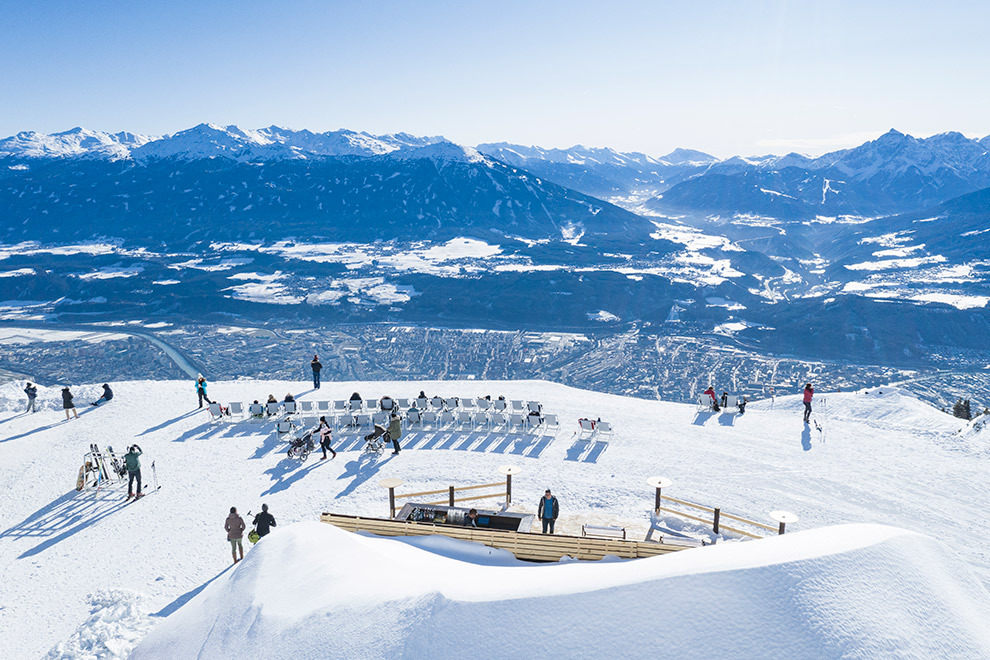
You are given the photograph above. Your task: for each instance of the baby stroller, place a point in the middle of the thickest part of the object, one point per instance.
(301, 446)
(375, 441)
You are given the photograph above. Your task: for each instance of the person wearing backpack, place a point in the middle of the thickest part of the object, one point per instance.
(264, 521)
(132, 459)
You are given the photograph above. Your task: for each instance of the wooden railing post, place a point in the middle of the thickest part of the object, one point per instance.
(657, 506)
(451, 496)
(780, 530)
(658, 483)
(718, 513)
(391, 502)
(508, 489)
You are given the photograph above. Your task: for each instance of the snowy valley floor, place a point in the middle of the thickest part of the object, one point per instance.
(79, 568)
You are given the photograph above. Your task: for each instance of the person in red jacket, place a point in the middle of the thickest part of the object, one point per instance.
(809, 392)
(711, 392)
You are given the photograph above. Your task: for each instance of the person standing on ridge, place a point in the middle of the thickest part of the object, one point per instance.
(32, 393)
(107, 395)
(395, 432)
(809, 392)
(201, 390)
(67, 404)
(264, 521)
(235, 533)
(132, 459)
(317, 367)
(548, 511)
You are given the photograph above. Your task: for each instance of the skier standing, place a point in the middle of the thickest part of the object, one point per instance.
(107, 395)
(264, 521)
(809, 392)
(132, 459)
(395, 432)
(67, 404)
(32, 394)
(317, 367)
(235, 533)
(201, 390)
(548, 511)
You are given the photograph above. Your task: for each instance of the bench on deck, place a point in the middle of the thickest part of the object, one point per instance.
(603, 532)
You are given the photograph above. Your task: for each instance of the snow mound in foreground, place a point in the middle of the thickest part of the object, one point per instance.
(851, 591)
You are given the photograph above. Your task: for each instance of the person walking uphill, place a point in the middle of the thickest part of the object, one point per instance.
(32, 394)
(132, 459)
(548, 511)
(809, 392)
(235, 533)
(317, 367)
(264, 521)
(67, 404)
(201, 390)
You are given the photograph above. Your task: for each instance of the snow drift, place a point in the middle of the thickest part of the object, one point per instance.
(851, 591)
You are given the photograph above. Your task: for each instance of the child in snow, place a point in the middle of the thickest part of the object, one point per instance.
(107, 395)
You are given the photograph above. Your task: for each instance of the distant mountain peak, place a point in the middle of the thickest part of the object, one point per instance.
(681, 156)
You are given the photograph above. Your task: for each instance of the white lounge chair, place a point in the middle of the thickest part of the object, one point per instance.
(446, 419)
(354, 404)
(551, 423)
(484, 404)
(534, 406)
(731, 403)
(498, 420)
(306, 406)
(436, 403)
(587, 427)
(534, 423)
(480, 419)
(216, 412)
(363, 421)
(236, 408)
(387, 404)
(429, 418)
(603, 428)
(517, 406)
(271, 408)
(256, 410)
(380, 418)
(467, 403)
(450, 404)
(422, 402)
(464, 419)
(323, 406)
(516, 422)
(500, 405)
(404, 404)
(284, 426)
(413, 418)
(289, 407)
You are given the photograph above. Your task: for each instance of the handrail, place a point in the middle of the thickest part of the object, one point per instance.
(721, 514)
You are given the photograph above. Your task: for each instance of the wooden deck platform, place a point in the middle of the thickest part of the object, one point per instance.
(524, 545)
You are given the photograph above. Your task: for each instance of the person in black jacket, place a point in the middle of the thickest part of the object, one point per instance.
(264, 521)
(548, 511)
(107, 395)
(32, 394)
(67, 404)
(317, 367)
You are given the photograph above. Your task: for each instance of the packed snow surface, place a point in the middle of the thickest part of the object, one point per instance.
(852, 591)
(84, 574)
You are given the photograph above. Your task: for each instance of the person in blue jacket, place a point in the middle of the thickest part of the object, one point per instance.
(548, 511)
(201, 390)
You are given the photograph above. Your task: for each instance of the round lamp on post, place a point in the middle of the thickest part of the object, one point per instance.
(659, 483)
(508, 471)
(782, 517)
(391, 483)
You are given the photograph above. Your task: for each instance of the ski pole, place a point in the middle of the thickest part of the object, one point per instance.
(154, 473)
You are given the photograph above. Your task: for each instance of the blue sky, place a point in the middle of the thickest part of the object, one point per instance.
(744, 77)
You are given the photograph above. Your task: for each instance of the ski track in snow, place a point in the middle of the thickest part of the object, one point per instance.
(883, 458)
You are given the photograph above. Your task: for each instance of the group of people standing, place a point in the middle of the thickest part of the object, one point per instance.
(68, 405)
(234, 526)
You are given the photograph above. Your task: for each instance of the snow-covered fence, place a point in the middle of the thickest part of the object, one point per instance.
(504, 492)
(716, 514)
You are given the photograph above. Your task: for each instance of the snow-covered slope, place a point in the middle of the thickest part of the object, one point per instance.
(114, 566)
(853, 591)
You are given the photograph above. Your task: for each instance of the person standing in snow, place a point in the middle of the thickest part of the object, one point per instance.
(107, 395)
(67, 404)
(326, 437)
(809, 392)
(132, 459)
(32, 393)
(235, 533)
(395, 432)
(317, 367)
(201, 390)
(264, 521)
(548, 511)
